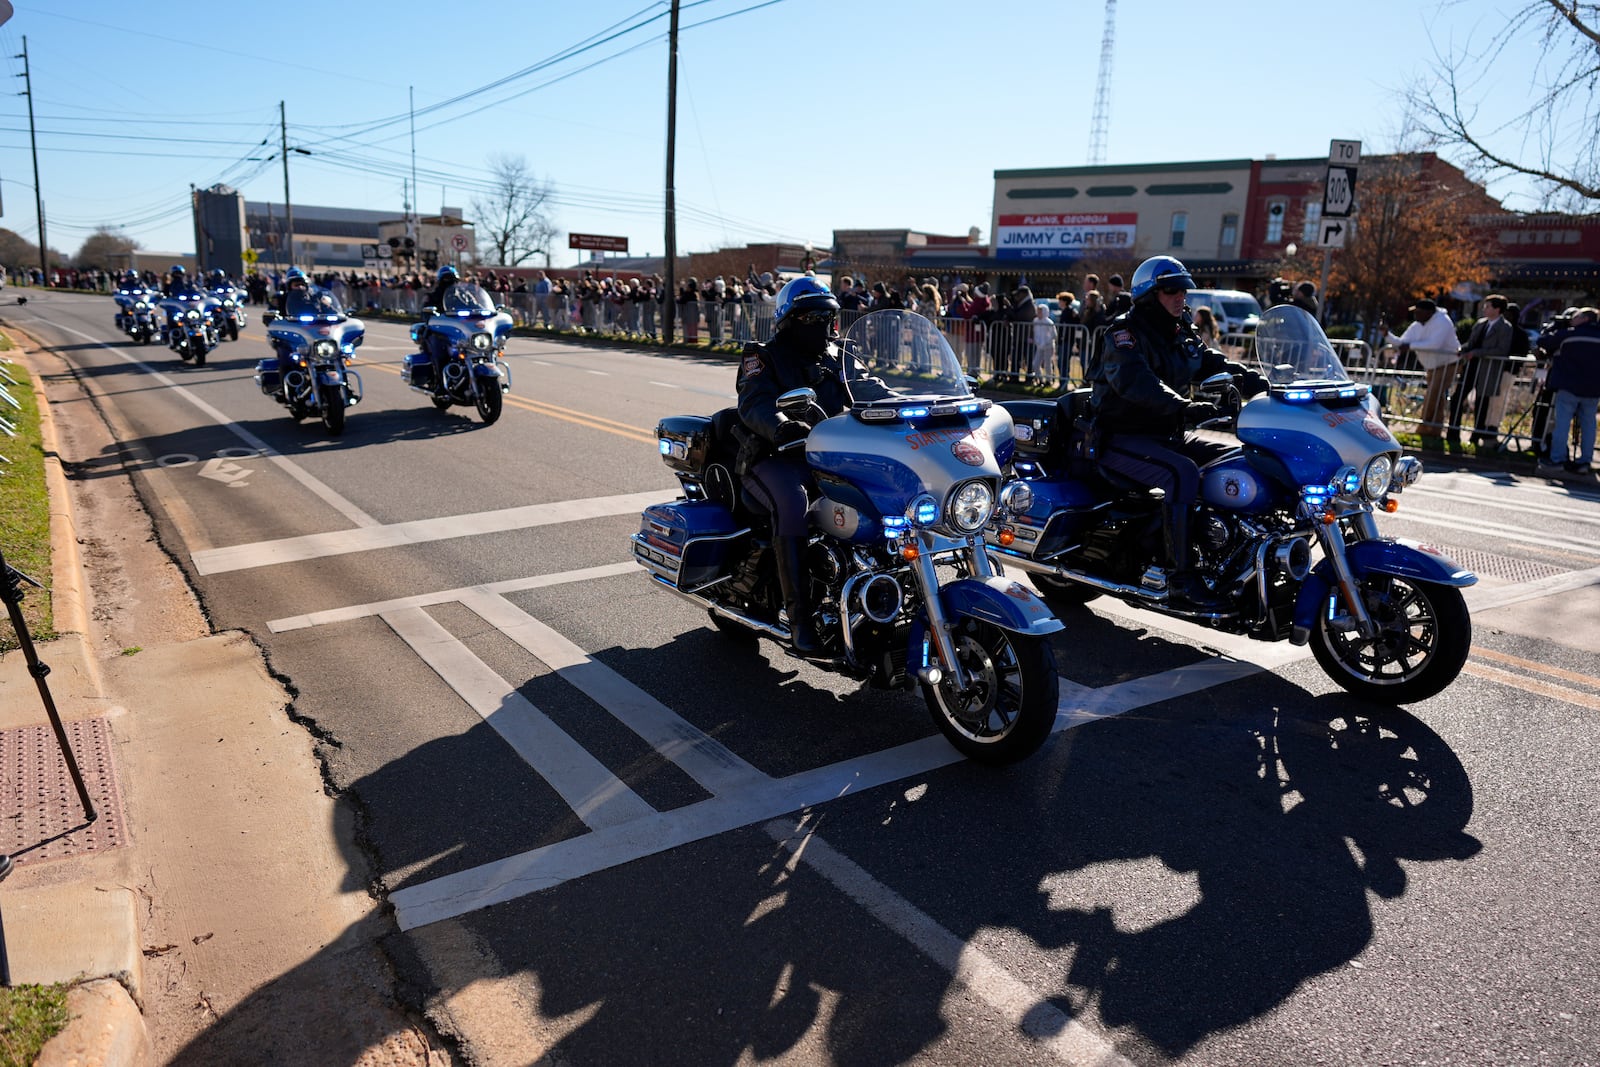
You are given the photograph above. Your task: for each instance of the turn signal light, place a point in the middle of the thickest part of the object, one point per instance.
(1006, 538)
(1329, 518)
(1391, 506)
(909, 552)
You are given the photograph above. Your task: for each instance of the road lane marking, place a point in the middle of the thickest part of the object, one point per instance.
(1552, 510)
(447, 596)
(1533, 685)
(1517, 534)
(1535, 666)
(419, 531)
(597, 796)
(1022, 1007)
(266, 451)
(577, 418)
(696, 753)
(543, 868)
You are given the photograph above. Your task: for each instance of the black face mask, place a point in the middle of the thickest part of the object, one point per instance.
(810, 336)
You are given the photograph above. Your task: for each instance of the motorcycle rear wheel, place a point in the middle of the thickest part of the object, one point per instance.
(1011, 707)
(490, 402)
(332, 401)
(1426, 632)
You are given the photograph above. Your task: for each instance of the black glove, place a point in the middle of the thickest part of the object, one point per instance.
(1198, 411)
(790, 431)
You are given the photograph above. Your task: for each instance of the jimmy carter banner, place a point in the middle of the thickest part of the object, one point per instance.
(1064, 236)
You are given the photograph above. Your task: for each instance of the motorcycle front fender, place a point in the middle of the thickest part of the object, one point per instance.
(1400, 557)
(329, 377)
(1004, 602)
(485, 369)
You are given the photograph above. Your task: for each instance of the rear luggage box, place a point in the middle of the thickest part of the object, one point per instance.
(684, 542)
(684, 442)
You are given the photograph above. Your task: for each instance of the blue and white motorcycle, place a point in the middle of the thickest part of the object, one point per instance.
(314, 339)
(189, 330)
(1385, 617)
(474, 332)
(136, 312)
(906, 596)
(228, 315)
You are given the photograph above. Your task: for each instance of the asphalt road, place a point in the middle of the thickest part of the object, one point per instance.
(608, 837)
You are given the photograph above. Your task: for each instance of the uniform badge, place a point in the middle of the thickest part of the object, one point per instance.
(1122, 338)
(751, 366)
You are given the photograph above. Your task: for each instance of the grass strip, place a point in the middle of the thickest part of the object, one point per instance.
(24, 502)
(30, 1015)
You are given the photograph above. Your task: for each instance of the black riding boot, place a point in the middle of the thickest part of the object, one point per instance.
(789, 555)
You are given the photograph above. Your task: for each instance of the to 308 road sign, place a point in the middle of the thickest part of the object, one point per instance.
(1339, 196)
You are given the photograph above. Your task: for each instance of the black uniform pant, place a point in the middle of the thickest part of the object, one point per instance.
(1480, 376)
(1171, 464)
(781, 485)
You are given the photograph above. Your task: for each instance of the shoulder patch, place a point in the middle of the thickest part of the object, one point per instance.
(751, 366)
(1122, 338)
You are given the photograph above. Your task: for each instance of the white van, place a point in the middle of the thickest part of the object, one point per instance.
(1234, 310)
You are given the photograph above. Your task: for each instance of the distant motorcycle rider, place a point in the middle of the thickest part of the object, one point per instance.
(438, 345)
(1141, 405)
(799, 356)
(294, 281)
(179, 286)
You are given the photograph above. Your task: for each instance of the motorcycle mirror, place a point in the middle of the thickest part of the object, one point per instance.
(269, 317)
(1217, 381)
(430, 310)
(796, 402)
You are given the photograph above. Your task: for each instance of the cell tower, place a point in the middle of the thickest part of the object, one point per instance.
(1102, 90)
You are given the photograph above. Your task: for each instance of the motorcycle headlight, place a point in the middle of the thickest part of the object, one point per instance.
(1017, 497)
(324, 348)
(971, 505)
(227, 303)
(141, 306)
(1375, 481)
(193, 314)
(1346, 481)
(482, 342)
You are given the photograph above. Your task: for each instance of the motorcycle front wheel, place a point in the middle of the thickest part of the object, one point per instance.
(1009, 708)
(1424, 633)
(332, 403)
(489, 402)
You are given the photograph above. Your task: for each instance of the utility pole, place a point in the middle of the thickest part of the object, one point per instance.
(283, 148)
(33, 137)
(670, 297)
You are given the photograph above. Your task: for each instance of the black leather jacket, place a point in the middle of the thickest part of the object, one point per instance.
(1146, 364)
(768, 371)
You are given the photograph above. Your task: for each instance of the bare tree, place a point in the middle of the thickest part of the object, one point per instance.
(1552, 139)
(106, 248)
(514, 218)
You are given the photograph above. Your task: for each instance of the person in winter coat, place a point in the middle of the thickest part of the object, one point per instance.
(1575, 378)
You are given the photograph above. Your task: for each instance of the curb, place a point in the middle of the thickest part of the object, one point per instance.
(107, 1026)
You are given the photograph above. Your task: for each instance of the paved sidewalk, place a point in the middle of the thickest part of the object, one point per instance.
(224, 900)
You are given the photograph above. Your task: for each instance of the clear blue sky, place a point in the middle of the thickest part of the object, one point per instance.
(795, 117)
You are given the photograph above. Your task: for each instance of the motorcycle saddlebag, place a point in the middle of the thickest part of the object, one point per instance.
(684, 542)
(684, 442)
(417, 370)
(267, 375)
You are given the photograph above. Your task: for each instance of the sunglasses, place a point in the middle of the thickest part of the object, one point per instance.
(813, 318)
(1171, 290)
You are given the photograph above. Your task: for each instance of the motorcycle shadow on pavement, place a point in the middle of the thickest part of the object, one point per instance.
(1182, 869)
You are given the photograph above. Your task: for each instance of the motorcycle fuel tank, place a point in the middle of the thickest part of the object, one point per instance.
(1314, 439)
(890, 463)
(1232, 483)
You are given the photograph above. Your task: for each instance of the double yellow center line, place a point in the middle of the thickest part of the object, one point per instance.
(539, 407)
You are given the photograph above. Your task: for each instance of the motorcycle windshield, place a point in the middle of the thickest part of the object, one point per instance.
(899, 354)
(312, 305)
(1291, 349)
(467, 301)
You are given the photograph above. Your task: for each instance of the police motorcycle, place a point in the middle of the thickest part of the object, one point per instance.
(317, 339)
(189, 330)
(227, 316)
(906, 594)
(475, 332)
(1385, 616)
(136, 311)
